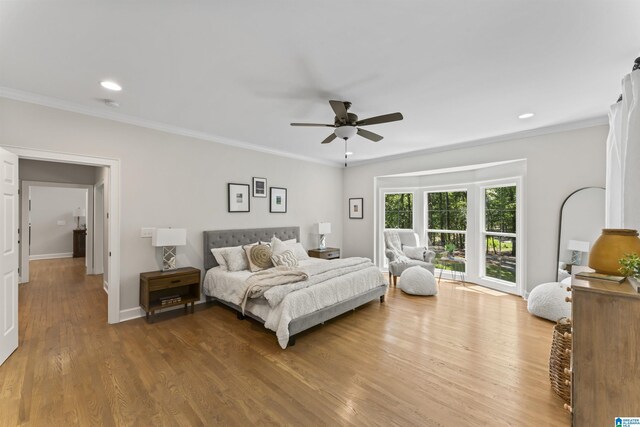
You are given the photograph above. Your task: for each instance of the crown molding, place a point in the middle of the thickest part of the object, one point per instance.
(32, 98)
(563, 127)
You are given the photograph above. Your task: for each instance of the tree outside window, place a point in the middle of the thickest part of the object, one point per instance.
(398, 210)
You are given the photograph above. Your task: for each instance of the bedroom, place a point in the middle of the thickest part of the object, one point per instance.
(182, 133)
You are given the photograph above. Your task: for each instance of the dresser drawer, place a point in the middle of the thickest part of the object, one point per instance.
(156, 284)
(331, 255)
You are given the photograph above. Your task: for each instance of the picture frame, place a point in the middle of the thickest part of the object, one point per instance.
(278, 200)
(259, 187)
(355, 208)
(238, 197)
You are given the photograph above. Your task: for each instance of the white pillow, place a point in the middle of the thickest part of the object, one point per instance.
(299, 251)
(218, 255)
(278, 247)
(236, 259)
(286, 258)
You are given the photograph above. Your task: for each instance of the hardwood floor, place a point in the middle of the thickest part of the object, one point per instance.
(469, 356)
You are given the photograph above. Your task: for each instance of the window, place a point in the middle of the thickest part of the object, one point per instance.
(500, 233)
(447, 228)
(398, 210)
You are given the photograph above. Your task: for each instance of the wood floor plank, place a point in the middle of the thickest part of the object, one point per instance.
(468, 356)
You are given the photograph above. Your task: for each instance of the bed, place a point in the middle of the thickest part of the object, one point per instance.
(301, 309)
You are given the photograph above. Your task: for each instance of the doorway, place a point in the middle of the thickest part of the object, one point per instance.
(111, 171)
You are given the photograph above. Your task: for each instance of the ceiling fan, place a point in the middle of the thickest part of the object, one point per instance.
(347, 124)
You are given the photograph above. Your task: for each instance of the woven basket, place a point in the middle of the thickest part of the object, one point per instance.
(559, 359)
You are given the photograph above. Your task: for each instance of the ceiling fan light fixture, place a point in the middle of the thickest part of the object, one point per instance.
(111, 85)
(345, 132)
(526, 116)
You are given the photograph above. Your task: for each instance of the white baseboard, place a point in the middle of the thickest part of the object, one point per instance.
(51, 256)
(136, 312)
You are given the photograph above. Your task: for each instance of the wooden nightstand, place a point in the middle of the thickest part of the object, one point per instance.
(327, 253)
(162, 289)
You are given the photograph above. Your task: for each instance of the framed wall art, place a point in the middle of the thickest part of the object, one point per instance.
(238, 197)
(259, 187)
(355, 208)
(278, 198)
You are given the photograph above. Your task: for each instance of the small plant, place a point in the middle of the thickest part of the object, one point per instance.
(630, 265)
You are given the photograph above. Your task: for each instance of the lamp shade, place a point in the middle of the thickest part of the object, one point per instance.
(79, 212)
(323, 228)
(578, 245)
(169, 237)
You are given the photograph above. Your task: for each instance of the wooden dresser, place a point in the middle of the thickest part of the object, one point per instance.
(79, 242)
(164, 289)
(606, 352)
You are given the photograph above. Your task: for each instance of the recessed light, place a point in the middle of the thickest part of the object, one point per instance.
(526, 115)
(349, 153)
(108, 84)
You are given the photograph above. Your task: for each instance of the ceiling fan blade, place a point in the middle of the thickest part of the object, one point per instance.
(340, 110)
(313, 124)
(329, 139)
(385, 118)
(369, 135)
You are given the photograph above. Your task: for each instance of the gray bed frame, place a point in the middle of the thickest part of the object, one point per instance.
(225, 238)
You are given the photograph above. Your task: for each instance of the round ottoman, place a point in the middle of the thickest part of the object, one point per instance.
(418, 281)
(547, 301)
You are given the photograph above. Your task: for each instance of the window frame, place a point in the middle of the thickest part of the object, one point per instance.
(483, 233)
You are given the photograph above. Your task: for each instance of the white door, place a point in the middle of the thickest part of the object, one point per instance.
(9, 254)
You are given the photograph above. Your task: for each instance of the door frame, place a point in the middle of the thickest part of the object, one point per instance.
(113, 215)
(25, 196)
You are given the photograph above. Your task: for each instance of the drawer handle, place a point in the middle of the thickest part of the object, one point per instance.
(175, 281)
(568, 299)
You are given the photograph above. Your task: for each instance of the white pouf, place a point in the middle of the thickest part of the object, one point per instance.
(547, 301)
(418, 281)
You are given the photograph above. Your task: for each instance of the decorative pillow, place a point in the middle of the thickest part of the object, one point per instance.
(236, 259)
(414, 252)
(259, 257)
(278, 246)
(286, 258)
(299, 251)
(218, 254)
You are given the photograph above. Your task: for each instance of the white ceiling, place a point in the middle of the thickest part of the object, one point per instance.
(242, 71)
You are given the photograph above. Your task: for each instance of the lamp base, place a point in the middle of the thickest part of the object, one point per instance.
(168, 258)
(323, 244)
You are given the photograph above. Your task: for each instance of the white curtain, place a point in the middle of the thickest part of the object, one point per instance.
(623, 157)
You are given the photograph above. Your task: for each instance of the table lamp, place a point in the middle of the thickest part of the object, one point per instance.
(168, 239)
(323, 228)
(577, 247)
(77, 213)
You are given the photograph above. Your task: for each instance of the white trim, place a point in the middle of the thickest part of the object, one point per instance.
(105, 287)
(113, 267)
(51, 256)
(46, 101)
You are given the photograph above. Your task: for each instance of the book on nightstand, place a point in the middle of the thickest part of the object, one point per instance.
(588, 275)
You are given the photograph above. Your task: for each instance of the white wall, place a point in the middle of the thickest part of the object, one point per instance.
(52, 222)
(557, 164)
(170, 180)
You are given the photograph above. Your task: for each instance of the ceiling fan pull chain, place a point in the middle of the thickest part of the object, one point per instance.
(345, 152)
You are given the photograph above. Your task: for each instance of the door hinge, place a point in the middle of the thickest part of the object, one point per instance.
(18, 270)
(109, 253)
(107, 215)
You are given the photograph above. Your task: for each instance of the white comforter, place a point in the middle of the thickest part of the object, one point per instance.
(289, 302)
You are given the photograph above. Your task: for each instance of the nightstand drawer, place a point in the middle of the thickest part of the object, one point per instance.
(159, 283)
(328, 253)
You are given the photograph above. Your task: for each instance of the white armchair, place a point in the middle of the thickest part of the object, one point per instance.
(402, 251)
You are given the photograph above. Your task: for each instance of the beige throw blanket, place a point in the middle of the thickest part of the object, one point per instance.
(261, 281)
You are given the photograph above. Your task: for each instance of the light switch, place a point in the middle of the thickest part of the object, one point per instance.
(62, 222)
(146, 232)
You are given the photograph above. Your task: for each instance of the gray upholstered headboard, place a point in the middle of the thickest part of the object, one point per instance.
(225, 238)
